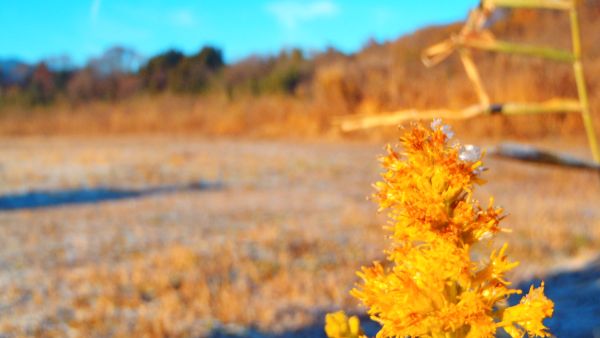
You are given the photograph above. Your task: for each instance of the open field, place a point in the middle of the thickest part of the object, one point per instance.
(263, 254)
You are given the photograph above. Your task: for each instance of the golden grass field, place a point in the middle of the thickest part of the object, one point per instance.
(266, 254)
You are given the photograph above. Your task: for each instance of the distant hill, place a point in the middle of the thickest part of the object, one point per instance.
(391, 75)
(14, 72)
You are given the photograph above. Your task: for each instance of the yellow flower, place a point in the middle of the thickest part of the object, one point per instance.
(432, 288)
(527, 316)
(338, 325)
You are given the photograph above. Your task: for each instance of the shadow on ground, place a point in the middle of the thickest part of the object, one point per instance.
(576, 296)
(54, 198)
(313, 331)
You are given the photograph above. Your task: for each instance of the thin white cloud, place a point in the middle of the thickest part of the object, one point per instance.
(183, 18)
(95, 10)
(292, 13)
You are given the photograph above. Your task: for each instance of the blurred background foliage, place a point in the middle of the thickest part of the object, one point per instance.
(296, 84)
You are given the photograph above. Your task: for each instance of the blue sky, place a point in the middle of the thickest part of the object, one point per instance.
(37, 29)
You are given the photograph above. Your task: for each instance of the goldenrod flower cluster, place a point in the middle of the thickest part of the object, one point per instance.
(338, 325)
(429, 286)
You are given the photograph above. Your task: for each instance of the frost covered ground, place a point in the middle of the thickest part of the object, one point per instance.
(269, 245)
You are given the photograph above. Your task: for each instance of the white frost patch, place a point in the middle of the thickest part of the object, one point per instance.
(469, 153)
(446, 129)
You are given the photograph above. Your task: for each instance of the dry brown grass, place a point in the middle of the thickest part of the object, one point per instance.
(263, 116)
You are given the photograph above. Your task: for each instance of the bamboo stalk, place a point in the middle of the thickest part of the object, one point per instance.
(441, 51)
(361, 122)
(544, 4)
(438, 53)
(473, 74)
(516, 48)
(551, 106)
(581, 86)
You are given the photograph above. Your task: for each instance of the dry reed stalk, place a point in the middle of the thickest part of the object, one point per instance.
(543, 4)
(474, 35)
(360, 122)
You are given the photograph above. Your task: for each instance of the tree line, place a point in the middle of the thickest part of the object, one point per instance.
(120, 73)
